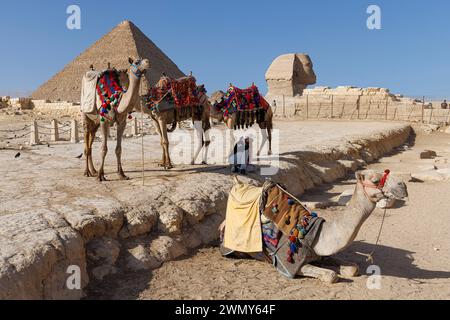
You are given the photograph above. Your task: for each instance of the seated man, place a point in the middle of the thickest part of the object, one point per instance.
(444, 104)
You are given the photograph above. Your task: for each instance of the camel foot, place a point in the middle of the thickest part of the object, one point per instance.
(325, 275)
(123, 177)
(204, 163)
(349, 271)
(169, 166)
(88, 174)
(101, 177)
(269, 153)
(329, 277)
(346, 269)
(192, 162)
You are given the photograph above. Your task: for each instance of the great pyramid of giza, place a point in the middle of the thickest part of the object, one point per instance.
(125, 40)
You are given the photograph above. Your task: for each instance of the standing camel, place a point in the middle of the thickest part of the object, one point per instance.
(338, 233)
(231, 120)
(164, 111)
(112, 106)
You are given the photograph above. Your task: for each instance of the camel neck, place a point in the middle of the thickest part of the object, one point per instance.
(359, 209)
(126, 103)
(338, 233)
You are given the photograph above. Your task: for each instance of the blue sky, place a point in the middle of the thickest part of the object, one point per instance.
(235, 41)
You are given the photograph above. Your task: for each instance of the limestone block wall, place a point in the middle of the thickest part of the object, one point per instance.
(356, 103)
(60, 108)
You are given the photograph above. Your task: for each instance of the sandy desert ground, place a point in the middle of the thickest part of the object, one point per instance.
(413, 253)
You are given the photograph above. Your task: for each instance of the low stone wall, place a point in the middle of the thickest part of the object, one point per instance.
(59, 219)
(357, 104)
(56, 108)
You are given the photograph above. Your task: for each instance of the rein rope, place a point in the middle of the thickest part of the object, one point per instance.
(379, 187)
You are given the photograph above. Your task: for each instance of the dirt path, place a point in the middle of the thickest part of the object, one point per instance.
(413, 255)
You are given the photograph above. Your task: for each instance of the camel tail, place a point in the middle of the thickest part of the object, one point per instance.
(174, 126)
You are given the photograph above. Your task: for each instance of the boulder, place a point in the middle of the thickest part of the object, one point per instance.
(102, 254)
(426, 176)
(428, 154)
(139, 221)
(139, 258)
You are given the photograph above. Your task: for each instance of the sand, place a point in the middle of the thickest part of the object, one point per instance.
(413, 254)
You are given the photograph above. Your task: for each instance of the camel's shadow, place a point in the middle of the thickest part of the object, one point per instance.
(394, 262)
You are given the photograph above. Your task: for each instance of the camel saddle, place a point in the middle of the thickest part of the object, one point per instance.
(288, 230)
(180, 92)
(248, 104)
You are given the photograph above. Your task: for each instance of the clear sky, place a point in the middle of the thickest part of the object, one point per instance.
(235, 41)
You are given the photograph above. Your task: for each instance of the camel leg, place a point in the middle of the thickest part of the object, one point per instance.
(198, 129)
(206, 147)
(158, 129)
(87, 172)
(263, 142)
(230, 124)
(165, 144)
(325, 275)
(89, 127)
(101, 173)
(120, 129)
(269, 133)
(91, 142)
(346, 269)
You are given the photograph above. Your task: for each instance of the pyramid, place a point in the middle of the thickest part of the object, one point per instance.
(125, 40)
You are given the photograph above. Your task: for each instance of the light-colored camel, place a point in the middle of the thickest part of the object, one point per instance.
(338, 233)
(165, 114)
(92, 122)
(266, 127)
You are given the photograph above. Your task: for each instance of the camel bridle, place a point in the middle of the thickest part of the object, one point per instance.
(372, 185)
(137, 72)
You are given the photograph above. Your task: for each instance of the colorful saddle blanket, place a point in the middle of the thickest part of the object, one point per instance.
(110, 92)
(181, 92)
(236, 99)
(248, 104)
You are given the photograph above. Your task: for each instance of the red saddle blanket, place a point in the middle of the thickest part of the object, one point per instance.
(182, 92)
(236, 100)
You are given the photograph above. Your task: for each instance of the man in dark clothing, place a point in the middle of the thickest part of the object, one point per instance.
(444, 104)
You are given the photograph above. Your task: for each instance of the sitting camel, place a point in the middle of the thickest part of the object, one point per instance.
(338, 233)
(231, 120)
(112, 108)
(164, 112)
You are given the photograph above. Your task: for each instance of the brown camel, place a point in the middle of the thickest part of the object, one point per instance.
(118, 114)
(165, 112)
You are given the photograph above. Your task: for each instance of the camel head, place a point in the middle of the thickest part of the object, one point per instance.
(377, 186)
(138, 66)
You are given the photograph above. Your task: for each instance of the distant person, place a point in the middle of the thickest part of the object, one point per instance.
(444, 105)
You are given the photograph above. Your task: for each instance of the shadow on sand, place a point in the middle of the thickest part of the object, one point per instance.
(394, 262)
